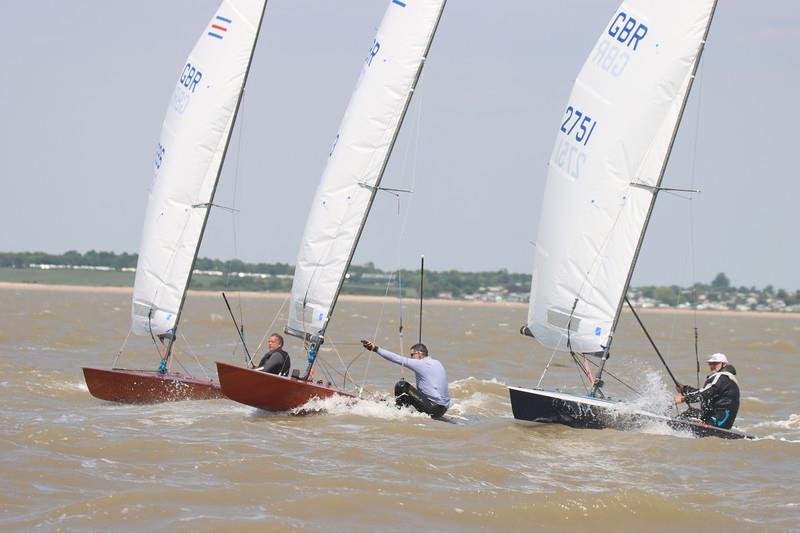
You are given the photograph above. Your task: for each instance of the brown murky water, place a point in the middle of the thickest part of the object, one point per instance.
(71, 462)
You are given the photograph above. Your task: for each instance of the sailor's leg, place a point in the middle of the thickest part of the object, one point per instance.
(721, 418)
(407, 394)
(401, 395)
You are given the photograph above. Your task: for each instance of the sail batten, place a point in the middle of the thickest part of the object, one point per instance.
(189, 158)
(357, 161)
(607, 165)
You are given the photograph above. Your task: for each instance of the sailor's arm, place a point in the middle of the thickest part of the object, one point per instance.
(692, 395)
(389, 356)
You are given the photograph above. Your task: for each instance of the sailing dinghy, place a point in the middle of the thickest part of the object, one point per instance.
(343, 200)
(189, 157)
(604, 175)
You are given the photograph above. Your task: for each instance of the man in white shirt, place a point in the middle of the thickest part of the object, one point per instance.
(430, 395)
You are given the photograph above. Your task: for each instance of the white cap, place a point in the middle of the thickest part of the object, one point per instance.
(718, 358)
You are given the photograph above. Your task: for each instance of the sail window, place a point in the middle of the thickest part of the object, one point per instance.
(562, 320)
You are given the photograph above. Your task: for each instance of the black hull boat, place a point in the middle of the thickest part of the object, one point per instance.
(586, 412)
(585, 256)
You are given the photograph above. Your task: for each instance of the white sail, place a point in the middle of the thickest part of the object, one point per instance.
(607, 163)
(189, 155)
(358, 158)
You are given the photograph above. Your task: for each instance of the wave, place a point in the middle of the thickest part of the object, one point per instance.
(793, 422)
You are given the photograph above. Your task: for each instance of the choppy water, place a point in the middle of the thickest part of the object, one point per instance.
(71, 462)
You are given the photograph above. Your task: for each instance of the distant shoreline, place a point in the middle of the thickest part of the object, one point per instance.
(5, 285)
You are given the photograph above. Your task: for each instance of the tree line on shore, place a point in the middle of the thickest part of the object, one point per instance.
(368, 279)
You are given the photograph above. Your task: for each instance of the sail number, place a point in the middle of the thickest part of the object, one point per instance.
(577, 127)
(569, 157)
(580, 123)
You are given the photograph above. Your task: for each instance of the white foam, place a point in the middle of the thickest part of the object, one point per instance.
(655, 396)
(755, 399)
(72, 385)
(368, 407)
(473, 379)
(793, 422)
(70, 418)
(474, 402)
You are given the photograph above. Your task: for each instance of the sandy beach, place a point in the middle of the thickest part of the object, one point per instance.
(361, 298)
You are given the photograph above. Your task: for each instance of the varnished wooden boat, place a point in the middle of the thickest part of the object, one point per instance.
(148, 386)
(269, 391)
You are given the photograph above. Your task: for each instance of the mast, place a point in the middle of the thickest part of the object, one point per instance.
(208, 206)
(421, 292)
(655, 190)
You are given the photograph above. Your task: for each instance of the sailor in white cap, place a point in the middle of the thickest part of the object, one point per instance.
(719, 397)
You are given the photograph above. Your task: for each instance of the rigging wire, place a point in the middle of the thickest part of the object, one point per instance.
(652, 343)
(692, 256)
(235, 218)
(240, 331)
(402, 313)
(408, 166)
(267, 333)
(193, 354)
(616, 378)
(121, 348)
(333, 347)
(161, 355)
(546, 367)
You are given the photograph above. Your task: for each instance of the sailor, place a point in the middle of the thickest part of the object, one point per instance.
(719, 397)
(276, 360)
(430, 395)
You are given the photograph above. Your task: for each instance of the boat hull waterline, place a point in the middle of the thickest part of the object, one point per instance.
(148, 386)
(271, 392)
(584, 412)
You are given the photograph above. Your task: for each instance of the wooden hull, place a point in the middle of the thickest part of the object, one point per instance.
(584, 412)
(269, 391)
(148, 386)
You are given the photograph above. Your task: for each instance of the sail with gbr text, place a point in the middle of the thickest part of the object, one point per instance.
(189, 155)
(606, 167)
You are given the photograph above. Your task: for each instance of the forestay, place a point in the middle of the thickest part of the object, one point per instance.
(606, 167)
(188, 159)
(357, 160)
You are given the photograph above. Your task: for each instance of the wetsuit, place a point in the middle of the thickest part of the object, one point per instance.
(719, 398)
(276, 362)
(430, 395)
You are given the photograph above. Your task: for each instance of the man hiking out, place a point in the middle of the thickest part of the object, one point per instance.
(719, 397)
(430, 395)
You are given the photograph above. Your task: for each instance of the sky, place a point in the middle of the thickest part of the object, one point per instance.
(85, 88)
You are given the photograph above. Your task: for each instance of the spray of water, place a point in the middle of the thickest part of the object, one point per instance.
(378, 407)
(657, 396)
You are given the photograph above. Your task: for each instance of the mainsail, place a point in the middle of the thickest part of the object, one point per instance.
(606, 168)
(358, 159)
(189, 156)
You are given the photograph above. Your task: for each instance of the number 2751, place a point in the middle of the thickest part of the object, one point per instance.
(581, 124)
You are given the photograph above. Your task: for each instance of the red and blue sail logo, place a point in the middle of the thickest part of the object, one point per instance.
(219, 27)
